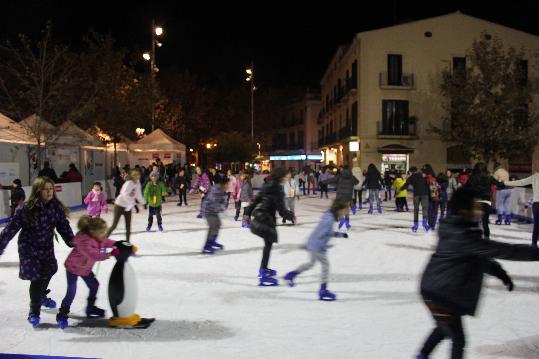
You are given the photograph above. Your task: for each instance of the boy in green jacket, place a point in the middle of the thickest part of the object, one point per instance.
(153, 194)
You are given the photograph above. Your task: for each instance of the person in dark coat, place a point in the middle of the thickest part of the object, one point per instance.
(269, 201)
(421, 196)
(17, 196)
(374, 183)
(452, 281)
(344, 183)
(47, 171)
(482, 182)
(37, 220)
(388, 184)
(118, 181)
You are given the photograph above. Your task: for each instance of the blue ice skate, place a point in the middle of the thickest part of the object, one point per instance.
(371, 210)
(289, 278)
(208, 249)
(214, 244)
(325, 294)
(160, 228)
(415, 227)
(48, 302)
(354, 208)
(348, 225)
(342, 222)
(507, 219)
(268, 272)
(34, 319)
(149, 229)
(200, 215)
(425, 225)
(379, 209)
(266, 279)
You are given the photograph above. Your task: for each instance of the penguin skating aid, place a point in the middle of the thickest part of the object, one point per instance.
(123, 291)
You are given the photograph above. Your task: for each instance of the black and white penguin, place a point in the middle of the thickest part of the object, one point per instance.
(123, 290)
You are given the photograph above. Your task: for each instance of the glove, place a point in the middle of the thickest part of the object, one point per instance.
(115, 252)
(146, 206)
(106, 209)
(345, 235)
(508, 283)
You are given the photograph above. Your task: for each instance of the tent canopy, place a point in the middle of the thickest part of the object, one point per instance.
(158, 141)
(11, 131)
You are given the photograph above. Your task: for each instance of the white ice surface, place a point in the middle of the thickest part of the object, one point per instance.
(211, 306)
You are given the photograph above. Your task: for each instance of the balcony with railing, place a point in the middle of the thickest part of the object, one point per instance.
(405, 129)
(389, 81)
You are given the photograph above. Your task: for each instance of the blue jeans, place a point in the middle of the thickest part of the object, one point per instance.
(372, 194)
(91, 282)
(503, 201)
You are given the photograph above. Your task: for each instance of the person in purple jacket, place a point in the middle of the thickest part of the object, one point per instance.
(202, 184)
(37, 220)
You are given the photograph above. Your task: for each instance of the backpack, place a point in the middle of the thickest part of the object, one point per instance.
(434, 190)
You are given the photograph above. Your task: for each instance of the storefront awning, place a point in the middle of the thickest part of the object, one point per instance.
(395, 149)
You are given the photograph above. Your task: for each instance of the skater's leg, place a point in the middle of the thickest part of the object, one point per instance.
(437, 335)
(417, 200)
(118, 211)
(323, 259)
(457, 335)
(70, 293)
(425, 207)
(378, 198)
(214, 224)
(36, 294)
(306, 266)
(158, 214)
(371, 197)
(127, 217)
(268, 243)
(535, 211)
(151, 211)
(93, 285)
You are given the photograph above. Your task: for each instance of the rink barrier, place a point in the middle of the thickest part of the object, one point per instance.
(27, 356)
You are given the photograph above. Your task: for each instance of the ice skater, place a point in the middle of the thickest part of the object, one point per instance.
(37, 220)
(153, 194)
(214, 204)
(452, 281)
(374, 184)
(344, 183)
(96, 201)
(266, 203)
(126, 200)
(317, 246)
(290, 189)
(202, 184)
(88, 242)
(181, 182)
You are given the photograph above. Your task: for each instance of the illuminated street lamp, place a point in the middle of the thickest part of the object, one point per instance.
(251, 78)
(156, 31)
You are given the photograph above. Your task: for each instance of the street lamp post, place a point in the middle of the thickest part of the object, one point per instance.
(156, 31)
(251, 78)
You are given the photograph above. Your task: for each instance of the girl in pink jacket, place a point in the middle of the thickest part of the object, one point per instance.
(96, 201)
(88, 243)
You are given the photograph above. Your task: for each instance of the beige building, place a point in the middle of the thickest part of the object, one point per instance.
(293, 142)
(381, 93)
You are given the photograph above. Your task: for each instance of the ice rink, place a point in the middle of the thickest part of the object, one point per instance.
(211, 307)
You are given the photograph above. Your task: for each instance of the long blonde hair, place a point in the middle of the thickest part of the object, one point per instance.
(39, 185)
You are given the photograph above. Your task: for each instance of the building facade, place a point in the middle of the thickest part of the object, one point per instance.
(293, 141)
(381, 93)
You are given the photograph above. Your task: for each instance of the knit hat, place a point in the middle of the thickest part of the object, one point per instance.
(17, 182)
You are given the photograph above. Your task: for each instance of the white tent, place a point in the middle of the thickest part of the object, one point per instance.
(156, 145)
(12, 132)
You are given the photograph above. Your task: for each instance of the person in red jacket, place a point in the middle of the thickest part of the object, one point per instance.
(73, 175)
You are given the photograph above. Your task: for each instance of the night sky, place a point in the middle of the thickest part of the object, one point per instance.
(290, 42)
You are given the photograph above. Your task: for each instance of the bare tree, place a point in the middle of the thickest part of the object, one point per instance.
(36, 79)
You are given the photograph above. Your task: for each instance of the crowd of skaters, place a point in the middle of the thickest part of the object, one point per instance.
(467, 197)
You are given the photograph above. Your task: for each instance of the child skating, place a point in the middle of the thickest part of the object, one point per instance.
(153, 194)
(180, 183)
(451, 284)
(96, 201)
(214, 204)
(317, 246)
(88, 242)
(126, 200)
(37, 220)
(266, 203)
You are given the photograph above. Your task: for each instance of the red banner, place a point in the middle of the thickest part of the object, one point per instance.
(58, 188)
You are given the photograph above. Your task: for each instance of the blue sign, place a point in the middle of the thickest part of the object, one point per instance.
(296, 157)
